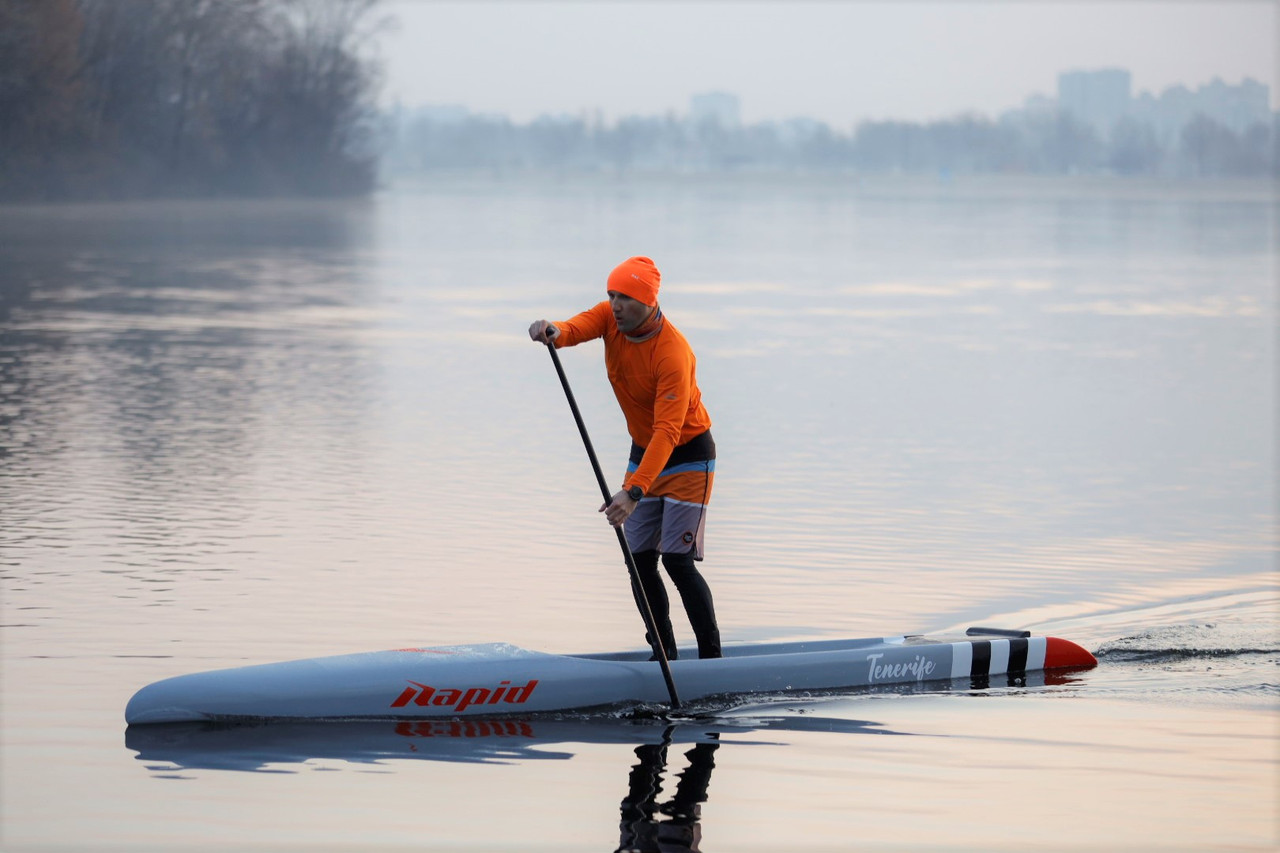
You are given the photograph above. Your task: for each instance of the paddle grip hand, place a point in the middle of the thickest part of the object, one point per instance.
(619, 508)
(543, 332)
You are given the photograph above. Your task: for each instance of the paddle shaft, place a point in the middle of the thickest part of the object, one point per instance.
(646, 612)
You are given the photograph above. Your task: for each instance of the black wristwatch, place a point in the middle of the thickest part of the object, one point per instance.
(635, 493)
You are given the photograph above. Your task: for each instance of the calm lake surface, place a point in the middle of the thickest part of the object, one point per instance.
(244, 432)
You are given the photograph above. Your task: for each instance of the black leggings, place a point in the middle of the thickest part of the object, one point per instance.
(694, 592)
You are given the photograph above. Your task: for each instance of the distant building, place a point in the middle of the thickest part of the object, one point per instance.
(1098, 98)
(718, 108)
(1235, 107)
(1102, 99)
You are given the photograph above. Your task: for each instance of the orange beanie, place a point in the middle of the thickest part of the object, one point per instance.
(638, 278)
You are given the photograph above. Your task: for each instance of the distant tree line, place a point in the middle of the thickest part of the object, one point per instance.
(1050, 144)
(112, 98)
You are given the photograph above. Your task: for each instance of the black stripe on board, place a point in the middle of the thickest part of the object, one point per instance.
(1017, 671)
(981, 666)
(1017, 656)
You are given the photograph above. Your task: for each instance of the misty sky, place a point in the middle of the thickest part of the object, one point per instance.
(840, 62)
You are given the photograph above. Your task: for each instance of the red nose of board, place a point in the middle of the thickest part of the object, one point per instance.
(1063, 654)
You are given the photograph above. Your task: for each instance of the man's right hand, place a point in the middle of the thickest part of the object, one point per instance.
(543, 332)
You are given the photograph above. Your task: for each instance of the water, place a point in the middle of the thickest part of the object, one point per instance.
(245, 432)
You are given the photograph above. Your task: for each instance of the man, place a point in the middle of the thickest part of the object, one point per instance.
(663, 500)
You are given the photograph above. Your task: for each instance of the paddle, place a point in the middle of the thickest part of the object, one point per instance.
(646, 612)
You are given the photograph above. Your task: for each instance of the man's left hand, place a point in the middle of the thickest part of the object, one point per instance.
(619, 508)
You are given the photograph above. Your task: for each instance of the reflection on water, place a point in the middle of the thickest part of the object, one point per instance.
(274, 745)
(673, 825)
(649, 820)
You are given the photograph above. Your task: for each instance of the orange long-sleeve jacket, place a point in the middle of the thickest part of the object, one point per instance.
(655, 381)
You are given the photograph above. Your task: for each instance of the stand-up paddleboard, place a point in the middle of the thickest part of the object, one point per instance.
(499, 679)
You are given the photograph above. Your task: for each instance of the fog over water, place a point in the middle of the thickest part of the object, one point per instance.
(840, 63)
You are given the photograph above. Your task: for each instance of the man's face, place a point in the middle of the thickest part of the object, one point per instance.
(627, 312)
